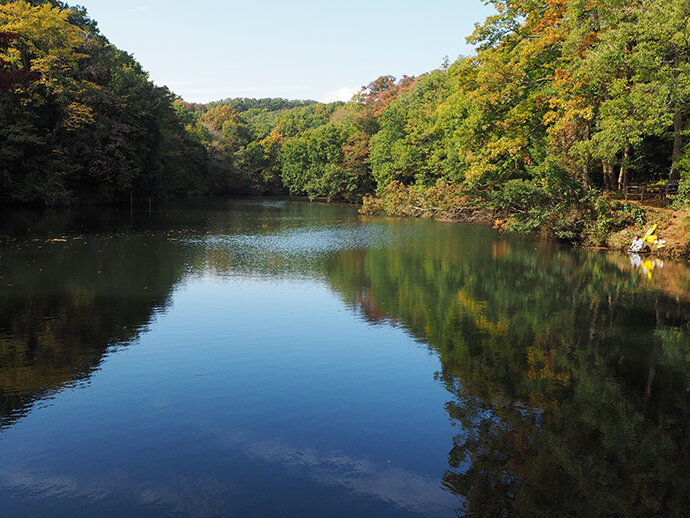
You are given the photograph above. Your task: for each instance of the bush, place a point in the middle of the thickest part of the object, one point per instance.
(516, 196)
(396, 199)
(612, 216)
(683, 197)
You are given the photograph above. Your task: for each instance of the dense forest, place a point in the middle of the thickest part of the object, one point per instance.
(562, 106)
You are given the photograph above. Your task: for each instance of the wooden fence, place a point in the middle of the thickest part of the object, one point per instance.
(645, 191)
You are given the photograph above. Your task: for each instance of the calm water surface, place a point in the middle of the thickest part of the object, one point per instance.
(273, 358)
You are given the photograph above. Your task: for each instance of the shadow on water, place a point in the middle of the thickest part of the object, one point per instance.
(570, 373)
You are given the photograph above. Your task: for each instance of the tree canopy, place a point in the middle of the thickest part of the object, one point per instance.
(563, 101)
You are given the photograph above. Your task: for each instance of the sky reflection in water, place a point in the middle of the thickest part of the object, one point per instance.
(279, 358)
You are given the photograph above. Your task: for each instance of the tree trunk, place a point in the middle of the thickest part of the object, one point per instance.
(609, 175)
(607, 179)
(623, 174)
(677, 145)
(585, 167)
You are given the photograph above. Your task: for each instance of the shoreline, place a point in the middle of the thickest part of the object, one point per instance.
(671, 223)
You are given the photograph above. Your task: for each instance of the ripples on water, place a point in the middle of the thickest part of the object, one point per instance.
(254, 358)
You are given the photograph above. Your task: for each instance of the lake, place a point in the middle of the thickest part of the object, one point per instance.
(279, 358)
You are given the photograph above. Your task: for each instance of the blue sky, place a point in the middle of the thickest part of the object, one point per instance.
(304, 49)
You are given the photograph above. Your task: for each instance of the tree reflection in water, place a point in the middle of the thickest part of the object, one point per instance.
(77, 282)
(569, 371)
(70, 301)
(570, 375)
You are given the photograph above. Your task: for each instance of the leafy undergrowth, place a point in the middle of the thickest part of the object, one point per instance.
(442, 201)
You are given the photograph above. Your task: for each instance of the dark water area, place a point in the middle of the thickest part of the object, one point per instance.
(276, 358)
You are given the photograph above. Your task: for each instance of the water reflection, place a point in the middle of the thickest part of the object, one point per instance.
(79, 282)
(570, 375)
(66, 301)
(194, 495)
(567, 373)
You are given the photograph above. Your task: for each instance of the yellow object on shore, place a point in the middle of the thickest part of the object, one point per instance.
(649, 237)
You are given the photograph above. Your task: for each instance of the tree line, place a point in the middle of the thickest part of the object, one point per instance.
(563, 101)
(560, 97)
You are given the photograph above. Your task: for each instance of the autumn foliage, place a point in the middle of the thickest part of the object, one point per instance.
(561, 102)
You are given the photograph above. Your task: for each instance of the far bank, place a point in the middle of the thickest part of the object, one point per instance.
(596, 220)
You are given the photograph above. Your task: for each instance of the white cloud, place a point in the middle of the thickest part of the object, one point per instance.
(341, 94)
(199, 495)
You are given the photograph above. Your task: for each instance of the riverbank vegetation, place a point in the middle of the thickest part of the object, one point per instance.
(563, 106)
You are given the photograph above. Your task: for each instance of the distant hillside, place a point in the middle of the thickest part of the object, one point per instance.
(243, 104)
